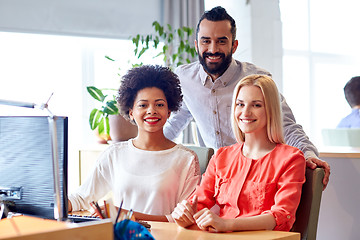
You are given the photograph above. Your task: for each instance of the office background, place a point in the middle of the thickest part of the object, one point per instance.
(310, 46)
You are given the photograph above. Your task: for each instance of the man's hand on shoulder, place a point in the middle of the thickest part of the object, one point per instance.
(313, 162)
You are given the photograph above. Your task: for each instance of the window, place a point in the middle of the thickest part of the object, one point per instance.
(33, 66)
(321, 53)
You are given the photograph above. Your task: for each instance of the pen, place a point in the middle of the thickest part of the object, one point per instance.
(119, 211)
(92, 204)
(107, 214)
(130, 213)
(99, 209)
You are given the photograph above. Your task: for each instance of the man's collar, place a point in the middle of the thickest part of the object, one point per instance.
(204, 76)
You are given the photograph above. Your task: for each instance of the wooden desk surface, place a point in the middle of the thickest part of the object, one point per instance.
(33, 228)
(166, 231)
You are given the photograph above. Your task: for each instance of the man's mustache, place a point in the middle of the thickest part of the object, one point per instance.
(217, 54)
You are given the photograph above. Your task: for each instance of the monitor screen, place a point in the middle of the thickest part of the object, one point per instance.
(26, 165)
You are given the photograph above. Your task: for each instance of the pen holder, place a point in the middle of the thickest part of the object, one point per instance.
(127, 229)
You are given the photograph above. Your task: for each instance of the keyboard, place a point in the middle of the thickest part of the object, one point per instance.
(79, 218)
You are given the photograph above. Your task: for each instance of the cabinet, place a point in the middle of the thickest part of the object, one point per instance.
(339, 209)
(87, 159)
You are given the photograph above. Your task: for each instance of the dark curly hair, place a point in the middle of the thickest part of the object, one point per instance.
(218, 14)
(148, 76)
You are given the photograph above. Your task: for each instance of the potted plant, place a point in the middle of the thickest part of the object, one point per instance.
(106, 115)
(172, 45)
(175, 49)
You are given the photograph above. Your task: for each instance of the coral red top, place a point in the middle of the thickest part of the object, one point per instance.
(244, 187)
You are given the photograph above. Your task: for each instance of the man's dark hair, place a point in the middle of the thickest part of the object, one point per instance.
(218, 14)
(148, 76)
(352, 91)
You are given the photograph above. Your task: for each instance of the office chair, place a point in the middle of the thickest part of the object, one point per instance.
(204, 154)
(307, 214)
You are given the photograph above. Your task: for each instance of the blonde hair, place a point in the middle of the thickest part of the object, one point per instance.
(272, 107)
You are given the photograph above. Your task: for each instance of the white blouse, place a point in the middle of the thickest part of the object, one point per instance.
(150, 182)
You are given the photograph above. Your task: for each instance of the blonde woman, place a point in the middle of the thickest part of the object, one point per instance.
(256, 182)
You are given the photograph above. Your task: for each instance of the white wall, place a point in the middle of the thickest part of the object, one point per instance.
(91, 18)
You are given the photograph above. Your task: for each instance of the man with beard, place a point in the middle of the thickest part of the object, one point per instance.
(208, 84)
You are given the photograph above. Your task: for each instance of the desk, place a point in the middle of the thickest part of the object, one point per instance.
(170, 231)
(33, 228)
(339, 209)
(339, 152)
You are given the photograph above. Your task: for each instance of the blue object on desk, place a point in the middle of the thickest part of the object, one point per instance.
(127, 229)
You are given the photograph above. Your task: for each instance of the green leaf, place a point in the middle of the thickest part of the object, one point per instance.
(159, 54)
(107, 57)
(181, 47)
(161, 30)
(171, 38)
(142, 52)
(194, 52)
(165, 48)
(137, 65)
(101, 126)
(135, 40)
(188, 30)
(111, 108)
(180, 33)
(174, 56)
(96, 93)
(157, 26)
(104, 126)
(156, 42)
(147, 41)
(95, 117)
(107, 126)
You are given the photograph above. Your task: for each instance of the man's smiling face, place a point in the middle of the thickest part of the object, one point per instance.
(215, 46)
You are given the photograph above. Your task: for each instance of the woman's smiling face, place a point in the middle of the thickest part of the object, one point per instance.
(150, 110)
(250, 110)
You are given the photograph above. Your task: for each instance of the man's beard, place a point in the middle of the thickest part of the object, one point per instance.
(216, 68)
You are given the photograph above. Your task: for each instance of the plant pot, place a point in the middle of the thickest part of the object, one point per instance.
(121, 129)
(102, 138)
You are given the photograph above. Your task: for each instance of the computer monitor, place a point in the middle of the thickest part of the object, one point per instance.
(27, 178)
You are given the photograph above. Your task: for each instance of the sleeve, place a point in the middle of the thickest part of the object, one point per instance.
(95, 186)
(192, 179)
(288, 194)
(177, 122)
(294, 133)
(206, 190)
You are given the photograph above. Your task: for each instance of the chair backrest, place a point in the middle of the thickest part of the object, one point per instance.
(204, 154)
(307, 214)
(341, 137)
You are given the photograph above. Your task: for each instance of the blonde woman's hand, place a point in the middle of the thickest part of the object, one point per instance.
(208, 221)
